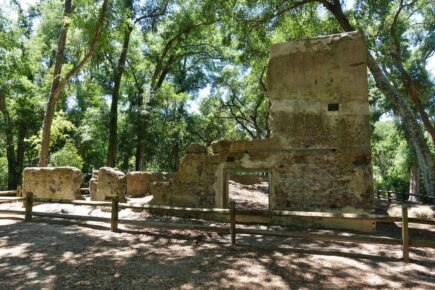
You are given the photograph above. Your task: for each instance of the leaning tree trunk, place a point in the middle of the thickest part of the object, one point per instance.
(400, 104)
(52, 99)
(396, 54)
(10, 151)
(113, 122)
(59, 83)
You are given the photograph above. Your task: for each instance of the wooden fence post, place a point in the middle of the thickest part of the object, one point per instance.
(389, 196)
(114, 217)
(19, 191)
(233, 222)
(378, 194)
(405, 233)
(28, 204)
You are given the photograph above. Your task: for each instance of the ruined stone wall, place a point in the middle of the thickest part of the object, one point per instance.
(139, 182)
(110, 182)
(320, 117)
(195, 184)
(319, 152)
(53, 182)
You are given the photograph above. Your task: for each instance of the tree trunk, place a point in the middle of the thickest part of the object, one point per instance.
(400, 105)
(176, 153)
(113, 122)
(414, 186)
(396, 54)
(125, 162)
(163, 66)
(10, 150)
(141, 128)
(59, 84)
(412, 91)
(52, 99)
(140, 131)
(140, 148)
(20, 153)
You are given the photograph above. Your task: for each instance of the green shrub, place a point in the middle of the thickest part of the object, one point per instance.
(67, 156)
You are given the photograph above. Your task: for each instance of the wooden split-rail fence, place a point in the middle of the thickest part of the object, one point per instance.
(232, 229)
(392, 195)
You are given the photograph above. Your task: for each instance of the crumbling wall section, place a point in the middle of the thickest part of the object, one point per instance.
(193, 185)
(139, 182)
(319, 94)
(319, 152)
(111, 182)
(53, 182)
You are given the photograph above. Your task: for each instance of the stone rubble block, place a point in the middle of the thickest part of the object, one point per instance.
(111, 182)
(53, 182)
(139, 183)
(93, 185)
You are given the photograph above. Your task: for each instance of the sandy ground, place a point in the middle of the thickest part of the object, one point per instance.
(249, 196)
(56, 254)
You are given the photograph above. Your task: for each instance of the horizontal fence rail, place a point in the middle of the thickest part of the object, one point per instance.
(401, 196)
(9, 199)
(8, 193)
(76, 202)
(232, 212)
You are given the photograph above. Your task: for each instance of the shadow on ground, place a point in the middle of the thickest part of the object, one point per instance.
(61, 254)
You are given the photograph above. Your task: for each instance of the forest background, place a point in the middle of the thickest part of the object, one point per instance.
(131, 83)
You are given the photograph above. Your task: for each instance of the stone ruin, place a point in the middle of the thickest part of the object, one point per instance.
(65, 182)
(318, 156)
(53, 182)
(107, 182)
(139, 183)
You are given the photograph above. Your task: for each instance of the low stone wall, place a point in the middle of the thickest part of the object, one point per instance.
(53, 182)
(110, 182)
(139, 183)
(194, 184)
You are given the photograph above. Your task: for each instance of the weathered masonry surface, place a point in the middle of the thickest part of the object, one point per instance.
(319, 152)
(52, 182)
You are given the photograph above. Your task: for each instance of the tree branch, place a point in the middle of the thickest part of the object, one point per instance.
(396, 54)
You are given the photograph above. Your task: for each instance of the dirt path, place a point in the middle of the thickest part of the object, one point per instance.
(57, 255)
(249, 196)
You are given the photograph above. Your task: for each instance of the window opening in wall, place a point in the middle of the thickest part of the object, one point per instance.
(333, 107)
(249, 189)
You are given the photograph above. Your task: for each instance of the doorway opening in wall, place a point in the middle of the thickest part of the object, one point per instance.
(249, 189)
